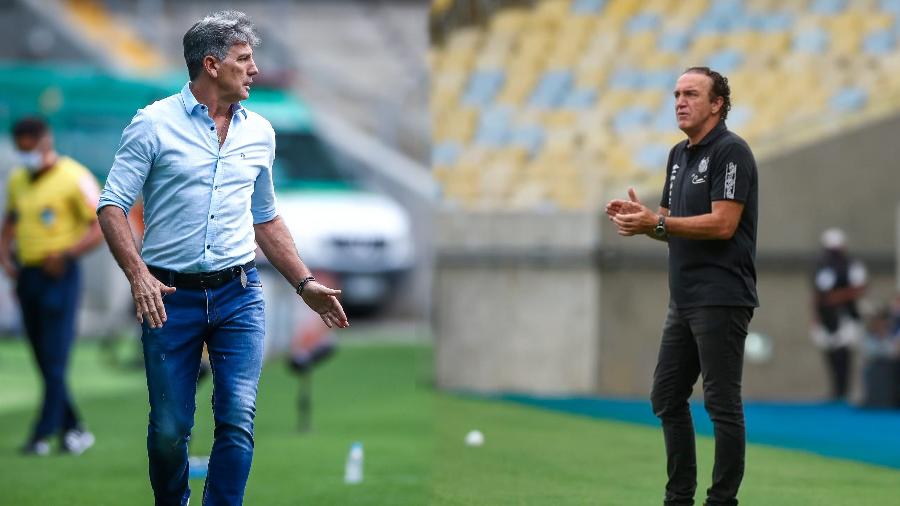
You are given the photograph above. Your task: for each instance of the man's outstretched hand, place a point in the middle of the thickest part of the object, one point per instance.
(323, 300)
(148, 293)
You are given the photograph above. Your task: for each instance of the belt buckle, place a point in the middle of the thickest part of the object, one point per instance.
(207, 279)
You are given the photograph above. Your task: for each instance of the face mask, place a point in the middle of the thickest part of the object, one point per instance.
(31, 160)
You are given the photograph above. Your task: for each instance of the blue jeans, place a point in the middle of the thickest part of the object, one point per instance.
(230, 319)
(49, 307)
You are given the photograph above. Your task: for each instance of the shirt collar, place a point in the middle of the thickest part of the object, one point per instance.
(238, 108)
(190, 102)
(717, 130)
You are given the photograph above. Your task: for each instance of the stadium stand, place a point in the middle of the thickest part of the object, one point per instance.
(386, 40)
(555, 104)
(104, 29)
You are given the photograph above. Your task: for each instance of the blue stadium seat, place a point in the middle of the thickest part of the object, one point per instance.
(772, 22)
(726, 61)
(483, 87)
(652, 157)
(627, 78)
(891, 6)
(664, 117)
(552, 88)
(879, 43)
(814, 40)
(664, 122)
(445, 153)
(722, 16)
(848, 99)
(587, 6)
(631, 118)
(828, 7)
(530, 137)
(660, 80)
(493, 126)
(674, 41)
(643, 22)
(711, 23)
(726, 8)
(580, 99)
(739, 116)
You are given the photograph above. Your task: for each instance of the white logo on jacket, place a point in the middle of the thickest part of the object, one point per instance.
(672, 182)
(704, 164)
(730, 178)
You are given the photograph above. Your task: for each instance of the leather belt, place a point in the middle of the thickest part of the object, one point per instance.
(199, 279)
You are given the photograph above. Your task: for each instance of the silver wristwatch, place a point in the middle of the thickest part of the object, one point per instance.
(660, 229)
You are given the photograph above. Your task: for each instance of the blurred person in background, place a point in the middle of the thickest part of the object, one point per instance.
(49, 224)
(708, 216)
(881, 373)
(204, 165)
(839, 282)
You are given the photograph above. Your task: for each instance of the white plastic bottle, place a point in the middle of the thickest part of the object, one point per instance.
(353, 471)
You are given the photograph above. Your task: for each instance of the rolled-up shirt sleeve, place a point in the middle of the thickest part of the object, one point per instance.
(262, 202)
(137, 151)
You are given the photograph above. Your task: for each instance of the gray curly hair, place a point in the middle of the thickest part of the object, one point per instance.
(214, 35)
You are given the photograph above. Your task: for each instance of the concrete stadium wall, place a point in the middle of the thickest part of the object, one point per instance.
(559, 304)
(851, 181)
(515, 298)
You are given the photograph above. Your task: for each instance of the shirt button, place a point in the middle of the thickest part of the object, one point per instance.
(207, 246)
(212, 216)
(212, 128)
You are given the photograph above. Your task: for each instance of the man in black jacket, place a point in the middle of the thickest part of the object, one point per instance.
(708, 216)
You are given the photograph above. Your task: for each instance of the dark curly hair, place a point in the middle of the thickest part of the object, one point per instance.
(720, 87)
(30, 126)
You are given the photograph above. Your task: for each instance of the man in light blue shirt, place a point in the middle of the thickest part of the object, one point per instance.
(204, 165)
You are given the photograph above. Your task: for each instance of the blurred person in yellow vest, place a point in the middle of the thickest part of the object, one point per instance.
(49, 223)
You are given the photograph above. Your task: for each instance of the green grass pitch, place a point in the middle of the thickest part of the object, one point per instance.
(413, 437)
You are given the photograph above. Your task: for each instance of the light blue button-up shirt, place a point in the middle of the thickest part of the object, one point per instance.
(200, 201)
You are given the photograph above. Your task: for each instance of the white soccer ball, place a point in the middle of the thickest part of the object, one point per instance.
(474, 438)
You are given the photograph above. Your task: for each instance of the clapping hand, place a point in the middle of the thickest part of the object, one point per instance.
(631, 217)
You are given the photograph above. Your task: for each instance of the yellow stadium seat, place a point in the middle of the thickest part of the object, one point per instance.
(457, 60)
(777, 43)
(704, 45)
(563, 118)
(517, 88)
(550, 13)
(527, 195)
(509, 20)
(621, 10)
(466, 38)
(591, 75)
(561, 143)
(459, 125)
(660, 60)
(659, 7)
